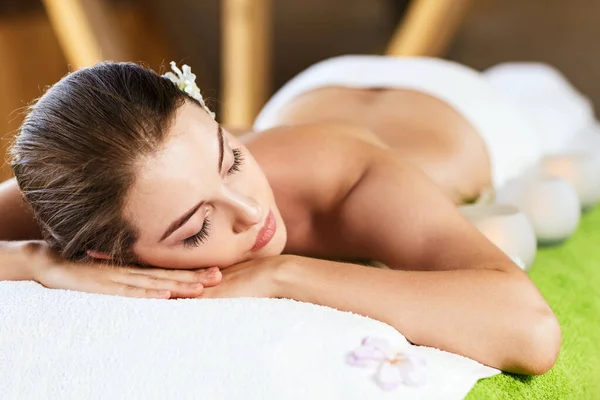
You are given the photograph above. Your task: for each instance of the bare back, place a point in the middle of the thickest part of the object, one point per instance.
(422, 129)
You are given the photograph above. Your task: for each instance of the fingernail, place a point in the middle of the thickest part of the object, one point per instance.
(212, 272)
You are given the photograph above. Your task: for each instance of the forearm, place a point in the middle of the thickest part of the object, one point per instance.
(17, 261)
(494, 317)
(16, 219)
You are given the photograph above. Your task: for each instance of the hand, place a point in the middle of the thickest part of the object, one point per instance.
(254, 278)
(54, 272)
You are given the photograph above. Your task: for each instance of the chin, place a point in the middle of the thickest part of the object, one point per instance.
(280, 240)
(277, 245)
(274, 248)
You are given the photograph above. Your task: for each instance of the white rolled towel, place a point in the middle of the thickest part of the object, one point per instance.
(558, 109)
(569, 134)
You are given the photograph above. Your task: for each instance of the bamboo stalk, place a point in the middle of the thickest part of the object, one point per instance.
(246, 59)
(428, 27)
(85, 30)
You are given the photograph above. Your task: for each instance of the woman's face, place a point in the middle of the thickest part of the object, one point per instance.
(202, 200)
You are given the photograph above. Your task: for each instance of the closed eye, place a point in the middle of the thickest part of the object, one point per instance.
(200, 237)
(238, 161)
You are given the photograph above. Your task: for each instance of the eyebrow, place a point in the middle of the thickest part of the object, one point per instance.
(220, 136)
(179, 222)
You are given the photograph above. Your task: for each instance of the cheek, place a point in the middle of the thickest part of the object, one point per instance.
(256, 177)
(249, 181)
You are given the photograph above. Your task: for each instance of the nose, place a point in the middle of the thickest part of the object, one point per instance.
(245, 210)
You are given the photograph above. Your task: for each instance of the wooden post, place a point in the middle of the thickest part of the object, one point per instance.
(246, 59)
(428, 27)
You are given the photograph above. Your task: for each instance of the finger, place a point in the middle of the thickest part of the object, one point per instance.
(138, 292)
(177, 289)
(206, 276)
(213, 277)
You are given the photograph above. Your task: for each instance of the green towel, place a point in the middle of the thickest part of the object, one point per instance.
(568, 276)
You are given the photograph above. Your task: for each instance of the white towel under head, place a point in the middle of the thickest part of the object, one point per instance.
(63, 345)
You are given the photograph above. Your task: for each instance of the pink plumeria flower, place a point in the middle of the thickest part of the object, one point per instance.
(371, 353)
(391, 368)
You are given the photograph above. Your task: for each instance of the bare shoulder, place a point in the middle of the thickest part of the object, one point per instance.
(320, 161)
(396, 214)
(317, 139)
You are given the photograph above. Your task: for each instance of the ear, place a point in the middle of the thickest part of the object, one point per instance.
(98, 255)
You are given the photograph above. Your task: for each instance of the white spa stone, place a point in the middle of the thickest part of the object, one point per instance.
(551, 205)
(581, 170)
(507, 227)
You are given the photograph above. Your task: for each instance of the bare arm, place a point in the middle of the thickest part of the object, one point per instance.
(16, 218)
(16, 224)
(34, 260)
(456, 291)
(15, 262)
(490, 316)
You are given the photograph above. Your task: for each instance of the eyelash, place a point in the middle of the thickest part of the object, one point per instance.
(202, 236)
(238, 160)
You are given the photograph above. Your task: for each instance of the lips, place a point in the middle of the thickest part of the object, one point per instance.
(266, 233)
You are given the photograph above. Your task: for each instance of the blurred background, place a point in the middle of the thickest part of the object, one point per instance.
(243, 50)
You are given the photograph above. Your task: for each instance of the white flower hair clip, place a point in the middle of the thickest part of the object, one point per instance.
(186, 81)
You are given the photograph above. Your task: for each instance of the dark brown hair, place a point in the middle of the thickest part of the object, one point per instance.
(75, 154)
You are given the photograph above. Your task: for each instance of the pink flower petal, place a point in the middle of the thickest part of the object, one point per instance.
(365, 356)
(413, 369)
(392, 369)
(370, 353)
(377, 343)
(388, 376)
(355, 361)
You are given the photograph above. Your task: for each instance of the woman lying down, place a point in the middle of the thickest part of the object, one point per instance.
(120, 165)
